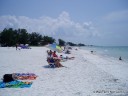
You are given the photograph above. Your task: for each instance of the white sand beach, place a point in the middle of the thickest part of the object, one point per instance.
(87, 75)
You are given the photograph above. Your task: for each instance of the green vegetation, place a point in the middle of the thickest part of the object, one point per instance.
(10, 37)
(61, 42)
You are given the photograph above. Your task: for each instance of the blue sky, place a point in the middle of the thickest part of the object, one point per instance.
(97, 22)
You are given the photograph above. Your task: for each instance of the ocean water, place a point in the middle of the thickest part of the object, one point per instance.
(110, 51)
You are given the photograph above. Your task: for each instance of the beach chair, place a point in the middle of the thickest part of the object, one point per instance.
(51, 63)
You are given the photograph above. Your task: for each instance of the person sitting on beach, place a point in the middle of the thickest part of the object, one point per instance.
(66, 57)
(49, 57)
(120, 58)
(57, 60)
(50, 60)
(58, 64)
(49, 54)
(67, 52)
(54, 54)
(91, 52)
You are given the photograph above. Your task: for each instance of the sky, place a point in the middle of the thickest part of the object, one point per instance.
(93, 22)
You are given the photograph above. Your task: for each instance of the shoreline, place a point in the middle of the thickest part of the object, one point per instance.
(107, 52)
(104, 60)
(86, 75)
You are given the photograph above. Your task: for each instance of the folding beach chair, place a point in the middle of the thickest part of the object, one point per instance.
(52, 63)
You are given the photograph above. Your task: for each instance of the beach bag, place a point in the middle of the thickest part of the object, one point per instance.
(7, 78)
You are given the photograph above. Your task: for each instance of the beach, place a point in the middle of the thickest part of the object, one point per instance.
(87, 75)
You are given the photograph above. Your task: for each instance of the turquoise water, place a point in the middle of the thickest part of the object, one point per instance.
(111, 51)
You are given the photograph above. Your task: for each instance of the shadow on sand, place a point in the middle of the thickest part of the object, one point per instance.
(47, 66)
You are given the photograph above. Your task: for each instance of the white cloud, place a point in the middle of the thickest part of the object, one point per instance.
(59, 27)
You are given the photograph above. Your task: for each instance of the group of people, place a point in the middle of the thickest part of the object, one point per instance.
(53, 58)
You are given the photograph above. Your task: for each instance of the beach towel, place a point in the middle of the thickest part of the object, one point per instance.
(15, 84)
(24, 76)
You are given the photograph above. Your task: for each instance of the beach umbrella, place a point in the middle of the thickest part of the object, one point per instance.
(55, 47)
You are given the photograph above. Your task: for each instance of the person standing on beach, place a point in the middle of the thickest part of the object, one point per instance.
(16, 46)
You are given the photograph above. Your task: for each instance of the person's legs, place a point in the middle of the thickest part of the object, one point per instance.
(58, 64)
